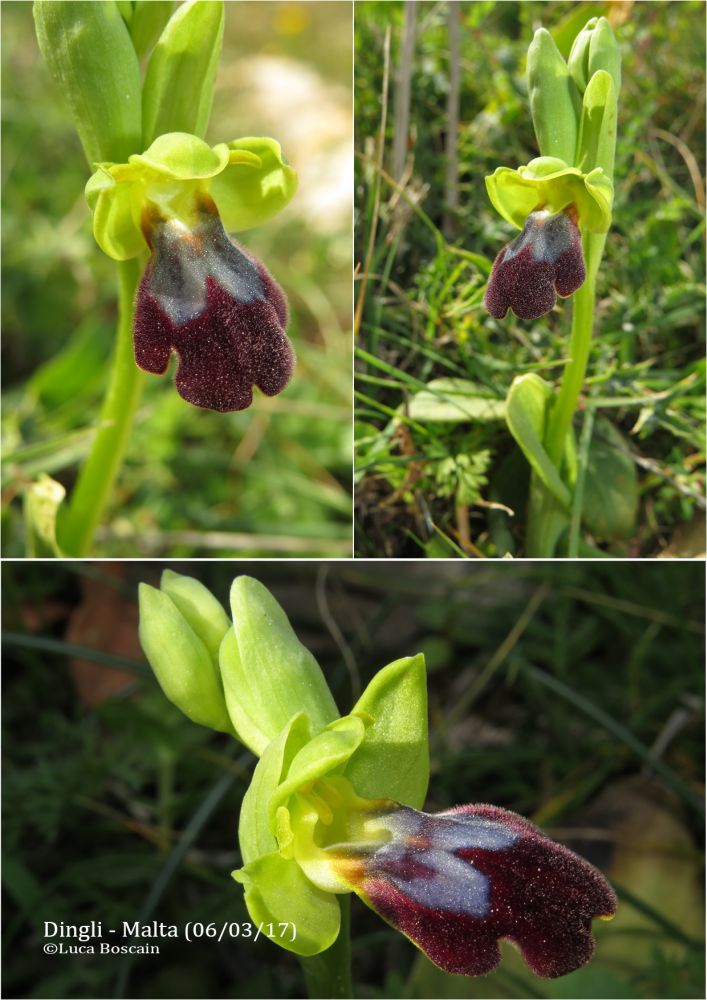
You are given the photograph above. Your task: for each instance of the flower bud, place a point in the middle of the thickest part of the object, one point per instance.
(180, 659)
(200, 608)
(554, 100)
(90, 56)
(268, 675)
(595, 48)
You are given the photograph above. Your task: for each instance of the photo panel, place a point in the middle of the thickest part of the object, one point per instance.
(297, 779)
(177, 266)
(529, 289)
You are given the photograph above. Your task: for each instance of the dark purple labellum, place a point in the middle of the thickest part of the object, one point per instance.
(207, 299)
(546, 258)
(457, 882)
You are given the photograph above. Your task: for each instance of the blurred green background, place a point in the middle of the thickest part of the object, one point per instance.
(429, 487)
(273, 480)
(571, 693)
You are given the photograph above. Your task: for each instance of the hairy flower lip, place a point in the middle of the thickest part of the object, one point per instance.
(204, 297)
(458, 882)
(544, 261)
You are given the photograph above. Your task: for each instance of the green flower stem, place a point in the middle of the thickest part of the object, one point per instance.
(329, 974)
(546, 518)
(95, 483)
(561, 415)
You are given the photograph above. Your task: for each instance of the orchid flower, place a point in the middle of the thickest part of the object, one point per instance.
(334, 803)
(202, 294)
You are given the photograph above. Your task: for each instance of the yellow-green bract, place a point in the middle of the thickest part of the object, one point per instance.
(90, 55)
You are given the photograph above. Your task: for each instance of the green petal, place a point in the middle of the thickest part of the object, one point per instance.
(547, 182)
(327, 751)
(250, 193)
(113, 224)
(184, 157)
(277, 891)
(268, 674)
(393, 760)
(254, 831)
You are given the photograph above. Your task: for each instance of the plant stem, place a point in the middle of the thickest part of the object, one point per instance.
(79, 521)
(329, 974)
(546, 518)
(560, 420)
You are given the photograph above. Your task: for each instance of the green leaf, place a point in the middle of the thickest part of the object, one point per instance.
(255, 834)
(611, 485)
(179, 81)
(393, 760)
(456, 400)
(526, 410)
(597, 132)
(554, 98)
(42, 502)
(200, 608)
(90, 56)
(277, 891)
(180, 660)
(268, 675)
(250, 192)
(322, 754)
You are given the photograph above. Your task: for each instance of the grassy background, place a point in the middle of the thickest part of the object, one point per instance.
(572, 693)
(272, 480)
(422, 315)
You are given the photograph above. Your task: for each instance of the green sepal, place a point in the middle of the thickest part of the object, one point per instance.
(180, 661)
(595, 48)
(268, 675)
(90, 56)
(526, 413)
(179, 81)
(145, 21)
(393, 760)
(200, 608)
(548, 183)
(554, 99)
(114, 227)
(277, 891)
(597, 130)
(326, 752)
(255, 834)
(256, 185)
